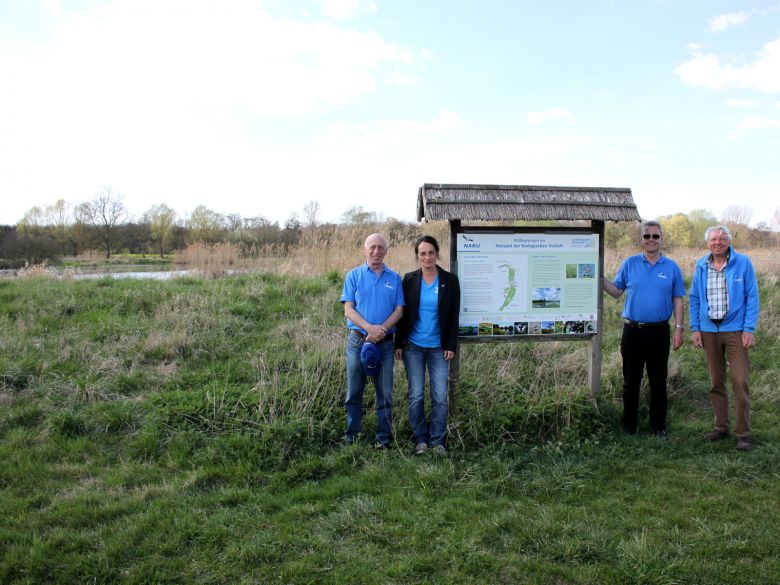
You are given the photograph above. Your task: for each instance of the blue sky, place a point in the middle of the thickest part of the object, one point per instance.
(256, 107)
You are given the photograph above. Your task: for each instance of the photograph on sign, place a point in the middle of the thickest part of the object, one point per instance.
(527, 284)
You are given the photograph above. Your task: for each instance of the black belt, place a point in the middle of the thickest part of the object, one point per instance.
(638, 325)
(387, 337)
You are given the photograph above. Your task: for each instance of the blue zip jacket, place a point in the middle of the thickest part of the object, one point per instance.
(743, 296)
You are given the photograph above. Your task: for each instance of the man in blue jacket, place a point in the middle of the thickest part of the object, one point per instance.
(724, 313)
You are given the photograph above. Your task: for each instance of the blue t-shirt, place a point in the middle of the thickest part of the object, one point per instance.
(425, 331)
(649, 288)
(375, 297)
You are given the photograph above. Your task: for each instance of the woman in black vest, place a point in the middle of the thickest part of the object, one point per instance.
(427, 338)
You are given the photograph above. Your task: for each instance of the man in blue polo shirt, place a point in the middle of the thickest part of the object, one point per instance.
(373, 299)
(655, 292)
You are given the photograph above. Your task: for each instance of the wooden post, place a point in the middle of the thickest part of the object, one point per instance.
(454, 373)
(594, 363)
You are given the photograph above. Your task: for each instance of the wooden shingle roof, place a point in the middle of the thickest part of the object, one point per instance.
(523, 202)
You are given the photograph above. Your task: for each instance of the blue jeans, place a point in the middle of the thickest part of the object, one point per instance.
(416, 359)
(356, 384)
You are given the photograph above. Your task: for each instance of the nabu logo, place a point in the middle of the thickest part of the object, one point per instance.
(469, 242)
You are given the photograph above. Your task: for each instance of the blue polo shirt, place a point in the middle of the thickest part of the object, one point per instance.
(425, 331)
(375, 297)
(649, 288)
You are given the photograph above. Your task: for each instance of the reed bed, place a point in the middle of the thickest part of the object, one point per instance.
(210, 260)
(340, 248)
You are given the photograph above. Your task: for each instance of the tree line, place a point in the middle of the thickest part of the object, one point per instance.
(104, 223)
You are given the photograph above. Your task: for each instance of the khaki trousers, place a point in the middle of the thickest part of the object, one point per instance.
(720, 348)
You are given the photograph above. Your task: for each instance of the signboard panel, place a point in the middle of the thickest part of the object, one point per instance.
(527, 283)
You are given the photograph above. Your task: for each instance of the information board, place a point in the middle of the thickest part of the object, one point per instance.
(527, 283)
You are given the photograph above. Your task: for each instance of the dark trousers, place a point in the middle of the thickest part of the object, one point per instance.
(640, 348)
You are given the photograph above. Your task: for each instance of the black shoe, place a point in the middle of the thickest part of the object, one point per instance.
(380, 445)
(662, 434)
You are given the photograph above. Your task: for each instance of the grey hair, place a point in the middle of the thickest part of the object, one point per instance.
(717, 228)
(376, 235)
(651, 223)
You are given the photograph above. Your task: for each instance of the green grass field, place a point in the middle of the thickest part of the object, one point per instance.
(188, 431)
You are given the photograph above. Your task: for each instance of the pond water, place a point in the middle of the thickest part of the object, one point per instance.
(135, 271)
(145, 273)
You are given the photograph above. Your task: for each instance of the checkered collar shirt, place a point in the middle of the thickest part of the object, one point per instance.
(717, 291)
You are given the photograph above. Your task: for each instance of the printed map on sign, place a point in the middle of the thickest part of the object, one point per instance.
(492, 284)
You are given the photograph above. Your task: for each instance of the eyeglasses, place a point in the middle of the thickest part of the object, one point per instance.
(654, 236)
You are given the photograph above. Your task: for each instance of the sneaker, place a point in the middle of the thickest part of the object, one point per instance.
(716, 435)
(743, 444)
(662, 434)
(439, 450)
(420, 448)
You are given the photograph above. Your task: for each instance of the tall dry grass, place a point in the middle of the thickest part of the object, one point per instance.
(210, 260)
(766, 261)
(42, 270)
(340, 248)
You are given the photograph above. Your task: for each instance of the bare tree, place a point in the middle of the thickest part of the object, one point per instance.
(357, 215)
(311, 212)
(162, 220)
(205, 225)
(234, 222)
(104, 213)
(776, 220)
(32, 223)
(58, 217)
(737, 214)
(700, 220)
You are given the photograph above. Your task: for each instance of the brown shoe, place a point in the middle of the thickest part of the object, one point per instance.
(716, 435)
(743, 444)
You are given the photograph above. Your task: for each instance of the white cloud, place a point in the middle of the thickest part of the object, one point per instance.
(156, 98)
(740, 103)
(695, 47)
(341, 9)
(346, 9)
(726, 21)
(756, 123)
(52, 7)
(374, 137)
(762, 74)
(198, 55)
(556, 113)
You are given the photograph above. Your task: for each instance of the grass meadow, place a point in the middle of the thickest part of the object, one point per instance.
(188, 431)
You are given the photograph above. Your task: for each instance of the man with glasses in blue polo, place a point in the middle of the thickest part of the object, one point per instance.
(655, 292)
